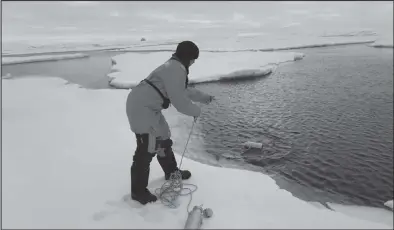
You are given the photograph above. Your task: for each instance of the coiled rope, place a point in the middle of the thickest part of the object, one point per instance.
(172, 189)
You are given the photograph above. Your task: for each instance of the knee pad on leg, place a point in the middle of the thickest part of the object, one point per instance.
(165, 146)
(146, 143)
(143, 156)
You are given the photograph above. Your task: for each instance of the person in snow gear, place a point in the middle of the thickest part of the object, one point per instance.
(167, 84)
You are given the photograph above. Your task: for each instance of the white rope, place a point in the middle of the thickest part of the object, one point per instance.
(172, 189)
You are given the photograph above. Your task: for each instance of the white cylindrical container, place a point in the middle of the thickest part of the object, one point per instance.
(194, 219)
(254, 145)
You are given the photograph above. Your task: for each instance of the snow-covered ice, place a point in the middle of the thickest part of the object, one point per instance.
(258, 25)
(131, 68)
(259, 45)
(8, 75)
(389, 204)
(383, 43)
(378, 215)
(42, 45)
(66, 153)
(40, 58)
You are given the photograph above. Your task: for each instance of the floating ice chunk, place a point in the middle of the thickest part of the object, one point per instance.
(131, 68)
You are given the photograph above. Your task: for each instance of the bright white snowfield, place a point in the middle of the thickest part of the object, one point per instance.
(131, 68)
(40, 58)
(389, 204)
(66, 153)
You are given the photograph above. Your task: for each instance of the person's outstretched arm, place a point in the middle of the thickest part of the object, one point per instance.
(174, 84)
(198, 96)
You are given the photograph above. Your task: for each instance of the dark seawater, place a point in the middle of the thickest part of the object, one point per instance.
(326, 122)
(88, 72)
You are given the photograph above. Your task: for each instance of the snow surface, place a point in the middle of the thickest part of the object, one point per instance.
(378, 215)
(276, 45)
(40, 58)
(383, 43)
(8, 75)
(45, 46)
(131, 68)
(21, 48)
(389, 204)
(233, 43)
(66, 153)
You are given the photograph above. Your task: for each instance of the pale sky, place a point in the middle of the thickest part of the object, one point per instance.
(32, 18)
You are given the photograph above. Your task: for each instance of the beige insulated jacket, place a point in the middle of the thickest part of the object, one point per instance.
(144, 104)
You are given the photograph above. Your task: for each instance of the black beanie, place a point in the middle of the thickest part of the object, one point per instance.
(187, 51)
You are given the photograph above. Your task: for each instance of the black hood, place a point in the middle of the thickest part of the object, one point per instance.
(185, 52)
(186, 65)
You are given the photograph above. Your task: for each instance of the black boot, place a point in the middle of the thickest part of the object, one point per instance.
(168, 162)
(186, 174)
(140, 174)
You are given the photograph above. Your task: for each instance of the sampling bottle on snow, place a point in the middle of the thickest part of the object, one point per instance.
(195, 217)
